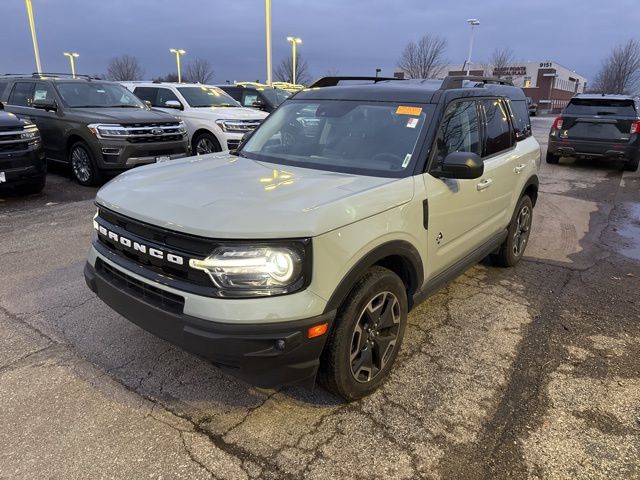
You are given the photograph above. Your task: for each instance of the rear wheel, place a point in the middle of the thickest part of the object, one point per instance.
(367, 335)
(512, 250)
(631, 165)
(205, 143)
(83, 165)
(551, 158)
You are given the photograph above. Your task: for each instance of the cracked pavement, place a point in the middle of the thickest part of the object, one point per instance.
(529, 372)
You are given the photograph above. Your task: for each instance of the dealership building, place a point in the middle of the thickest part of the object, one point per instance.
(548, 83)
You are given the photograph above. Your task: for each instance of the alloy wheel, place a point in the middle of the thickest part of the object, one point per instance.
(81, 164)
(374, 337)
(521, 234)
(204, 146)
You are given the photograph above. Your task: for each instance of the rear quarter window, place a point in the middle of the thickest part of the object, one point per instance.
(498, 134)
(521, 120)
(604, 106)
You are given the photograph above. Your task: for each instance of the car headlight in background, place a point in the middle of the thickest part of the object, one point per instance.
(182, 128)
(260, 270)
(30, 132)
(234, 126)
(104, 130)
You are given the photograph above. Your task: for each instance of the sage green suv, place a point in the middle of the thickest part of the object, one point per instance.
(300, 255)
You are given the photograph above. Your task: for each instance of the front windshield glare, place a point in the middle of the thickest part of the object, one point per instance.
(275, 95)
(347, 136)
(207, 97)
(97, 95)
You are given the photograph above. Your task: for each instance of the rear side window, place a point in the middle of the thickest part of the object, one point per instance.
(235, 92)
(601, 106)
(498, 134)
(164, 95)
(458, 131)
(22, 94)
(520, 117)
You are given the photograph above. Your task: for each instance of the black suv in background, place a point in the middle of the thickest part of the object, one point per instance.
(597, 125)
(22, 163)
(256, 95)
(94, 126)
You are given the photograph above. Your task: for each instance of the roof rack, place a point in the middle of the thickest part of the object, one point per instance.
(57, 74)
(457, 81)
(333, 81)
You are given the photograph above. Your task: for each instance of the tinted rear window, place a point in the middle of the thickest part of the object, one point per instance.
(604, 106)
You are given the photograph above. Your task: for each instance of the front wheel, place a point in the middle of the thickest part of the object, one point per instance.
(83, 166)
(367, 335)
(512, 250)
(205, 143)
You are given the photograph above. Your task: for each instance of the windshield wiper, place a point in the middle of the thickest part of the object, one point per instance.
(89, 106)
(123, 106)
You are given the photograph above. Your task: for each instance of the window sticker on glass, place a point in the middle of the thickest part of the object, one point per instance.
(412, 123)
(407, 159)
(405, 110)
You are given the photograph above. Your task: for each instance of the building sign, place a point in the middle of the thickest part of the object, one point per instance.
(546, 64)
(516, 71)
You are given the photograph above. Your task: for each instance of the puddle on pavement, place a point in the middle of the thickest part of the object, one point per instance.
(629, 230)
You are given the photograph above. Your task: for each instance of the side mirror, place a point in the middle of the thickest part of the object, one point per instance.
(147, 103)
(461, 165)
(173, 104)
(45, 104)
(259, 104)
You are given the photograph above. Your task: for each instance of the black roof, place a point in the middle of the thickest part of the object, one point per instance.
(411, 91)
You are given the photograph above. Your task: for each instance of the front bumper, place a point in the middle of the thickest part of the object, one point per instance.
(23, 167)
(585, 148)
(119, 154)
(266, 355)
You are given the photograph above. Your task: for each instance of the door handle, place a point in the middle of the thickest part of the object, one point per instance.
(520, 168)
(483, 185)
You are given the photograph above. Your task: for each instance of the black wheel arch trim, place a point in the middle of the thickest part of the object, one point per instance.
(396, 248)
(535, 182)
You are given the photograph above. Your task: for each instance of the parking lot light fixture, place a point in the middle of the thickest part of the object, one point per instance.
(72, 57)
(473, 22)
(294, 42)
(179, 52)
(34, 38)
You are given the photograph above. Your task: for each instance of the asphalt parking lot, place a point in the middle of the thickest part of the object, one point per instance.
(531, 372)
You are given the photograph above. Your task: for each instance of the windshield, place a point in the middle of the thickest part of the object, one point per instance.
(604, 106)
(97, 95)
(275, 95)
(207, 97)
(375, 138)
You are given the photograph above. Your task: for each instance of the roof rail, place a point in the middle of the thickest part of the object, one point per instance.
(457, 81)
(15, 74)
(56, 74)
(333, 81)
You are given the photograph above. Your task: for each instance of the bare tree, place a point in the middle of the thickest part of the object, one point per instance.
(500, 61)
(284, 71)
(424, 58)
(199, 71)
(124, 67)
(620, 71)
(170, 78)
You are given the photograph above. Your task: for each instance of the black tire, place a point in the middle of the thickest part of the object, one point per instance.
(35, 187)
(553, 159)
(83, 165)
(512, 250)
(372, 319)
(631, 165)
(205, 143)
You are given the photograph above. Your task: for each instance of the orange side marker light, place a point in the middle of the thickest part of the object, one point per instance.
(317, 330)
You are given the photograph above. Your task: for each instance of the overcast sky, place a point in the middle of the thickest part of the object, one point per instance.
(351, 36)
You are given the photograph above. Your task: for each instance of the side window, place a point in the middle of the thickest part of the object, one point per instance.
(43, 91)
(3, 86)
(458, 131)
(146, 94)
(498, 133)
(22, 94)
(164, 95)
(235, 92)
(249, 98)
(520, 119)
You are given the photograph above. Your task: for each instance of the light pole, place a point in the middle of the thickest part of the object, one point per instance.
(72, 56)
(34, 38)
(178, 53)
(474, 22)
(268, 33)
(378, 70)
(294, 41)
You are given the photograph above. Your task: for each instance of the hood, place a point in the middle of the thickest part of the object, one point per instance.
(119, 115)
(227, 113)
(223, 196)
(8, 119)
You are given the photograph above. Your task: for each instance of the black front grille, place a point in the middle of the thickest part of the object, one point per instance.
(147, 293)
(156, 138)
(14, 147)
(233, 144)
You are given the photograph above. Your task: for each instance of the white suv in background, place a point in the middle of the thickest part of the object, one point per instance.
(215, 121)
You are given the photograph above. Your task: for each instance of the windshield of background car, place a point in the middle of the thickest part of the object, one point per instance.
(207, 97)
(604, 106)
(369, 138)
(275, 95)
(97, 95)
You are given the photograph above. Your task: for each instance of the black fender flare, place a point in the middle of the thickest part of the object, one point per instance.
(398, 248)
(535, 182)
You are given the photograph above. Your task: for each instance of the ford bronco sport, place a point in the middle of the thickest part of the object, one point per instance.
(94, 126)
(302, 253)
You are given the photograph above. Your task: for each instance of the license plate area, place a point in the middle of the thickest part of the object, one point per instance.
(162, 159)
